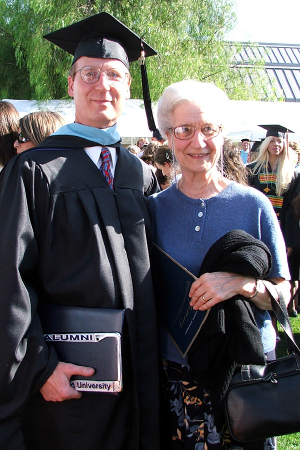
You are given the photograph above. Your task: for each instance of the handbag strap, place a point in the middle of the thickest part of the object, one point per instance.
(280, 311)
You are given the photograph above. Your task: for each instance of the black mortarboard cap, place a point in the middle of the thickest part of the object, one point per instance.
(100, 36)
(104, 36)
(255, 145)
(276, 130)
(245, 139)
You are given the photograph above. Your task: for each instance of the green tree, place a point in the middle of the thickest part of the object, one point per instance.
(14, 75)
(188, 36)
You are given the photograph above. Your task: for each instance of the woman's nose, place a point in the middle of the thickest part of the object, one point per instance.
(199, 139)
(16, 144)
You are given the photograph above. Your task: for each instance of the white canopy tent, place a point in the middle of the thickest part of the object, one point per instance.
(246, 116)
(131, 125)
(242, 120)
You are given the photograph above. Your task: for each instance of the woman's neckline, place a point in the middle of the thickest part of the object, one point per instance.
(273, 163)
(210, 190)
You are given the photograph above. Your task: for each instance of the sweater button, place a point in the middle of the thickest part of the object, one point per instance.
(200, 214)
(197, 228)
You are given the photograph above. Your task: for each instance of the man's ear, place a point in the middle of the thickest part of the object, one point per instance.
(128, 89)
(70, 86)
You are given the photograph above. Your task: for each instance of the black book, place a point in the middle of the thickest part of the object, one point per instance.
(87, 337)
(172, 283)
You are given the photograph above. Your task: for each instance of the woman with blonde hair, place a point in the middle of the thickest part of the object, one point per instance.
(35, 127)
(273, 173)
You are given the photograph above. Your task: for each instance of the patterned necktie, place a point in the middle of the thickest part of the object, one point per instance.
(105, 167)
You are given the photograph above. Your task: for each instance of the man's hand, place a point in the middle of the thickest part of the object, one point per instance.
(57, 388)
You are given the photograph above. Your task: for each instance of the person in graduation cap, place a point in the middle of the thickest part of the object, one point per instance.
(75, 231)
(245, 149)
(274, 174)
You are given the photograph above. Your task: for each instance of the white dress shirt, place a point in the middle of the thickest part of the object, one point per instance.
(95, 154)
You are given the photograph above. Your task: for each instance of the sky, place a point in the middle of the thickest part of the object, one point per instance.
(274, 21)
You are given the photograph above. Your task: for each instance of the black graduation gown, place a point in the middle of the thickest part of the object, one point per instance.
(67, 238)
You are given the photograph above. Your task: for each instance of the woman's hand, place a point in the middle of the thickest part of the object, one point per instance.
(215, 287)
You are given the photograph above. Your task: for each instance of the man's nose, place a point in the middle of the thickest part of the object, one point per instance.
(102, 83)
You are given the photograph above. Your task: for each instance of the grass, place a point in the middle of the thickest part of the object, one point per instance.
(290, 441)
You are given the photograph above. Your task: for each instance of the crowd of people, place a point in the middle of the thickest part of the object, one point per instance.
(79, 214)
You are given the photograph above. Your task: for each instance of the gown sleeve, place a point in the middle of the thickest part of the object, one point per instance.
(26, 360)
(151, 185)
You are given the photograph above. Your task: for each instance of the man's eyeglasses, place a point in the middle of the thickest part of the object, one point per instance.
(22, 139)
(91, 75)
(187, 131)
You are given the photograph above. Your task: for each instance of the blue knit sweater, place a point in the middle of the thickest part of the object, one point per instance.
(186, 228)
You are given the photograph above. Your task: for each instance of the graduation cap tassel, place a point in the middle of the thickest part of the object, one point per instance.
(146, 93)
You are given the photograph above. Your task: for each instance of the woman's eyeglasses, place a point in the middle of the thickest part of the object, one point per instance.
(208, 131)
(22, 139)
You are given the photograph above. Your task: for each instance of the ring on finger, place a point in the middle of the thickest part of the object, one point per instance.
(203, 298)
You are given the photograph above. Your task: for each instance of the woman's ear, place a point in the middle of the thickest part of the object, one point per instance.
(169, 139)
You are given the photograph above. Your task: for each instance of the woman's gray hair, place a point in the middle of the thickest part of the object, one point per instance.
(213, 100)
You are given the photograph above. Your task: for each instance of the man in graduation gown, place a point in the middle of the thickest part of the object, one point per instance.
(70, 235)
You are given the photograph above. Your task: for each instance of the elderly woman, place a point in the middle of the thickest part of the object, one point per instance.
(188, 219)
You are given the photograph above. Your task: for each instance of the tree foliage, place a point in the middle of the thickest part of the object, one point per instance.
(188, 36)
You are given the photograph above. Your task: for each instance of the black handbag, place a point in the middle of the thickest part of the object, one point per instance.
(264, 401)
